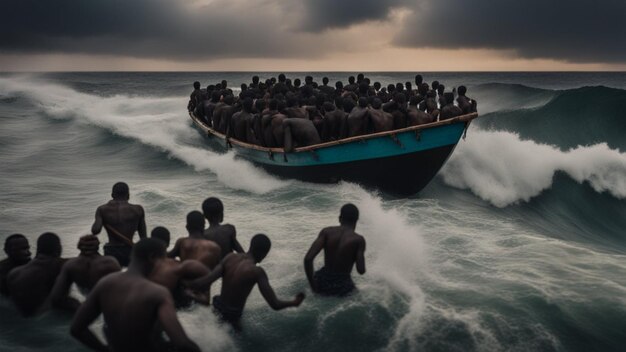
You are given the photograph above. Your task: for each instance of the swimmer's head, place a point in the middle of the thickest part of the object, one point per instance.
(259, 247)
(88, 244)
(49, 244)
(120, 191)
(146, 252)
(195, 221)
(349, 215)
(17, 248)
(161, 233)
(213, 209)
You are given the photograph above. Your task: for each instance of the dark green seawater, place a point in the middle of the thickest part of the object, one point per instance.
(518, 244)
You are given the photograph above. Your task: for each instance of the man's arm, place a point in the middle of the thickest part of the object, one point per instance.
(316, 247)
(235, 244)
(86, 314)
(97, 225)
(190, 270)
(171, 325)
(360, 257)
(204, 283)
(141, 229)
(59, 295)
(175, 252)
(269, 295)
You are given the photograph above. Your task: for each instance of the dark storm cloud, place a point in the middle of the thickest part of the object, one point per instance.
(145, 28)
(325, 14)
(572, 30)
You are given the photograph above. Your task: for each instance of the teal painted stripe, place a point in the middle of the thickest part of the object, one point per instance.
(374, 148)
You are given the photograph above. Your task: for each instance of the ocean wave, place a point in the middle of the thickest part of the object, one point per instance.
(503, 169)
(157, 122)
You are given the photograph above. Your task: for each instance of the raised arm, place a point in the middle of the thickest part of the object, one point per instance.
(97, 224)
(59, 296)
(360, 257)
(86, 314)
(269, 295)
(171, 325)
(316, 247)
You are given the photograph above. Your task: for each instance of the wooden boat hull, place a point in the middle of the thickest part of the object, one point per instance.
(400, 162)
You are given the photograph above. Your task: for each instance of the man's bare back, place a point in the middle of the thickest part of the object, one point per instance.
(170, 273)
(200, 249)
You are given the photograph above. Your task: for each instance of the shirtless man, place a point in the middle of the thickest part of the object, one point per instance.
(225, 235)
(334, 120)
(17, 249)
(299, 133)
(195, 97)
(85, 270)
(466, 104)
(266, 123)
(226, 112)
(135, 309)
(241, 123)
(293, 110)
(121, 220)
(415, 116)
(380, 121)
(196, 246)
(30, 284)
(170, 273)
(342, 249)
(357, 120)
(239, 273)
(450, 110)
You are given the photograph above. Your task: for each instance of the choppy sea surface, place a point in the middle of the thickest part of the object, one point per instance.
(518, 244)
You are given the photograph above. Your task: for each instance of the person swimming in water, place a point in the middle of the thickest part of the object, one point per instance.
(343, 248)
(30, 285)
(17, 249)
(225, 235)
(136, 310)
(85, 271)
(121, 220)
(196, 246)
(240, 273)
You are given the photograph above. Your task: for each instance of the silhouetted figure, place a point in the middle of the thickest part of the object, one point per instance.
(334, 120)
(85, 271)
(196, 246)
(225, 235)
(195, 97)
(449, 110)
(121, 220)
(299, 133)
(30, 284)
(240, 273)
(342, 249)
(466, 104)
(170, 273)
(135, 309)
(241, 123)
(17, 249)
(357, 121)
(226, 112)
(266, 124)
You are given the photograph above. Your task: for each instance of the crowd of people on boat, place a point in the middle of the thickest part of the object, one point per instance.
(279, 113)
(139, 303)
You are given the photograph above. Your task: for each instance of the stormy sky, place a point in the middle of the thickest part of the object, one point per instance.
(383, 35)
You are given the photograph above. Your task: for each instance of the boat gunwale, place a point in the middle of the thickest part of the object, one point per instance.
(463, 118)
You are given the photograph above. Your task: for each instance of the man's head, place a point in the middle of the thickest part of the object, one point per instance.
(349, 215)
(259, 105)
(161, 233)
(259, 247)
(325, 80)
(363, 102)
(229, 99)
(449, 97)
(351, 80)
(255, 79)
(49, 244)
(328, 106)
(196, 85)
(88, 245)
(195, 222)
(435, 85)
(418, 80)
(213, 209)
(339, 86)
(17, 248)
(146, 252)
(441, 89)
(377, 86)
(224, 84)
(376, 103)
(360, 77)
(120, 191)
(247, 104)
(462, 90)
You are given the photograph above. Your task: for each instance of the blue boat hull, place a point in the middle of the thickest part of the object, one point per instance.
(400, 162)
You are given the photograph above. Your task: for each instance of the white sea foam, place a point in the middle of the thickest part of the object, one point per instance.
(158, 122)
(503, 169)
